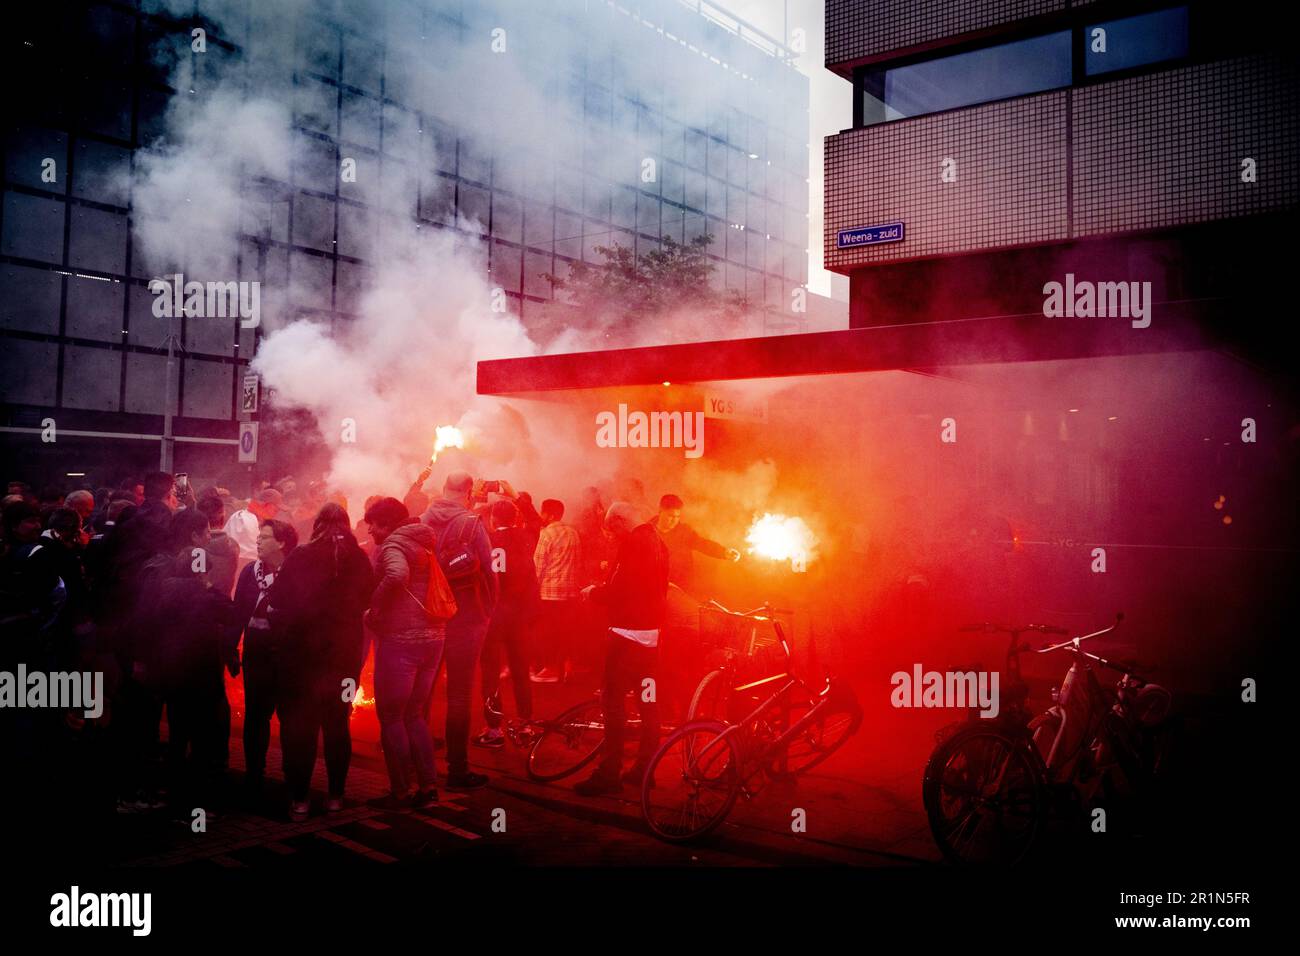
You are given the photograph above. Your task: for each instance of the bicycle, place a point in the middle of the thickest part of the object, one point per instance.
(699, 772)
(560, 747)
(989, 785)
(745, 652)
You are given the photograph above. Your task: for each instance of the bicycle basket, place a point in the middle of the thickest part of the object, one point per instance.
(743, 640)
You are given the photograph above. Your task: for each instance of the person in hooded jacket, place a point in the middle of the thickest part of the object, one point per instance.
(316, 604)
(476, 597)
(512, 620)
(408, 649)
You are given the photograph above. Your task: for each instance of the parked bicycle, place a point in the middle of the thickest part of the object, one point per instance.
(990, 785)
(750, 654)
(560, 747)
(694, 779)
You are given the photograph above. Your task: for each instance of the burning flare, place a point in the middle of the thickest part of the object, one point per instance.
(446, 436)
(782, 538)
(361, 700)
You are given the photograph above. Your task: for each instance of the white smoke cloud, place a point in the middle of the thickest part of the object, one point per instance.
(424, 312)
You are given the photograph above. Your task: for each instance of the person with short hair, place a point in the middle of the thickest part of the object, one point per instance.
(83, 503)
(680, 660)
(476, 597)
(265, 661)
(244, 526)
(508, 632)
(408, 651)
(192, 635)
(558, 559)
(223, 553)
(635, 599)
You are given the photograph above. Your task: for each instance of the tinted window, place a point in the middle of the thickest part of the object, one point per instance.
(980, 76)
(1134, 41)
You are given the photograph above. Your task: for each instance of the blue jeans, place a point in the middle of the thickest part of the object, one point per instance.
(465, 634)
(404, 676)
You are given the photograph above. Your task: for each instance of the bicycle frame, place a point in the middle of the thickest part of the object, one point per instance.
(754, 763)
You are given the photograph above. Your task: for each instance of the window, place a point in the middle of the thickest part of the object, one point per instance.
(980, 76)
(1026, 66)
(1135, 41)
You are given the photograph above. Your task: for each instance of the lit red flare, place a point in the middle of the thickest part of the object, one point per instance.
(782, 538)
(446, 436)
(361, 700)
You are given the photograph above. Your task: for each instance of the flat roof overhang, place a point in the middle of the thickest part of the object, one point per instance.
(1175, 327)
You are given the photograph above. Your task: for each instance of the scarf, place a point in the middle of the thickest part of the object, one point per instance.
(264, 579)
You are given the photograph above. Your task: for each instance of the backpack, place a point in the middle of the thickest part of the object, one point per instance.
(456, 555)
(439, 600)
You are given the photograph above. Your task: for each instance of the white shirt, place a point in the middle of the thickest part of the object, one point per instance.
(242, 527)
(648, 638)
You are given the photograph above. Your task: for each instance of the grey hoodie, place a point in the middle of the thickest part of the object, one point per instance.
(403, 571)
(438, 517)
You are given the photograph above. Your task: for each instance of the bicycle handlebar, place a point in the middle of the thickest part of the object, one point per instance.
(1074, 642)
(758, 612)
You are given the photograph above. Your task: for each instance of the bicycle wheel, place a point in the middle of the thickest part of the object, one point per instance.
(835, 721)
(710, 700)
(984, 798)
(568, 743)
(692, 782)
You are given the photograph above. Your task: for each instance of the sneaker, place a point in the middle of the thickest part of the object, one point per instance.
(390, 801)
(424, 799)
(598, 785)
(333, 804)
(545, 676)
(299, 810)
(491, 738)
(469, 780)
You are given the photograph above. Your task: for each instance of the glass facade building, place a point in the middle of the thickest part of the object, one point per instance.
(717, 107)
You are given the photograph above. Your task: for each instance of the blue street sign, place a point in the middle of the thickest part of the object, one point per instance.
(869, 235)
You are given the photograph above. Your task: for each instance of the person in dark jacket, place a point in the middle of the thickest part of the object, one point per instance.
(193, 632)
(451, 521)
(635, 598)
(512, 620)
(317, 603)
(408, 650)
(266, 662)
(141, 534)
(223, 553)
(683, 541)
(148, 531)
(680, 660)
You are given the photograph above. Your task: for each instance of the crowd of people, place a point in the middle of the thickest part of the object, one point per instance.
(165, 590)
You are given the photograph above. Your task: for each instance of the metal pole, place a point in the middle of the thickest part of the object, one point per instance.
(168, 442)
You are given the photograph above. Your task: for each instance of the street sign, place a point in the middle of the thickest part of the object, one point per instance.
(247, 443)
(248, 395)
(723, 405)
(869, 235)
